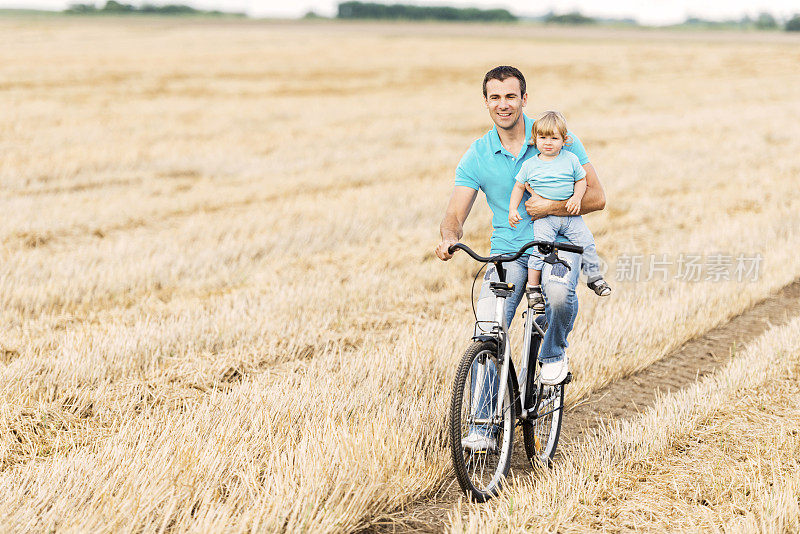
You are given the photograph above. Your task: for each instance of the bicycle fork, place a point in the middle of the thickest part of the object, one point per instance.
(481, 387)
(501, 390)
(502, 339)
(505, 343)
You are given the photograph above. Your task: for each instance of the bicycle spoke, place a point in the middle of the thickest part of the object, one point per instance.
(547, 423)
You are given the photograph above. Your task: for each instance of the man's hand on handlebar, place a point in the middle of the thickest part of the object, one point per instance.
(442, 250)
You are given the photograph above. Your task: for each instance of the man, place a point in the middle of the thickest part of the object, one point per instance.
(490, 165)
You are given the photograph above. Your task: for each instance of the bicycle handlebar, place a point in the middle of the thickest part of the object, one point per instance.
(503, 258)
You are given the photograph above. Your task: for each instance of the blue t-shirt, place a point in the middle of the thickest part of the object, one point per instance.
(554, 179)
(490, 168)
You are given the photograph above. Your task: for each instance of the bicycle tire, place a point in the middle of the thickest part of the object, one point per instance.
(471, 466)
(541, 435)
(542, 430)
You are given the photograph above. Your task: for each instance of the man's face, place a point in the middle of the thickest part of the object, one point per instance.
(505, 102)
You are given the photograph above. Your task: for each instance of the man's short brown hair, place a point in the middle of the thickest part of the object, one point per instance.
(502, 73)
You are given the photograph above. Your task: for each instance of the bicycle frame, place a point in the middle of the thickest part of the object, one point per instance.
(500, 332)
(522, 379)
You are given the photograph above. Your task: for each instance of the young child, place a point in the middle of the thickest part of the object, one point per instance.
(555, 174)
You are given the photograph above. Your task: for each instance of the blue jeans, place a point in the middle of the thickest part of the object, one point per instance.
(561, 308)
(576, 231)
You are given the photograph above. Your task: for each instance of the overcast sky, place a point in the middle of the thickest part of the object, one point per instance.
(645, 11)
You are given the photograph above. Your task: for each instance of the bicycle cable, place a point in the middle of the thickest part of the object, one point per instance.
(472, 291)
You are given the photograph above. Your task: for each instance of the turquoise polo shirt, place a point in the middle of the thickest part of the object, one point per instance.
(488, 167)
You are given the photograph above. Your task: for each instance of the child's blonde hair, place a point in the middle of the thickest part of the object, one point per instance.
(548, 123)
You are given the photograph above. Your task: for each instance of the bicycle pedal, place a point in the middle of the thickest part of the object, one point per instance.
(568, 379)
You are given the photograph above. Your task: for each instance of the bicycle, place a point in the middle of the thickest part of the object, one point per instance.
(538, 408)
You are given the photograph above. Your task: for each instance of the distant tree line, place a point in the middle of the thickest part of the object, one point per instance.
(112, 7)
(365, 10)
(568, 18)
(764, 21)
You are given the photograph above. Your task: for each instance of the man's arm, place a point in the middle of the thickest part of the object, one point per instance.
(452, 227)
(593, 200)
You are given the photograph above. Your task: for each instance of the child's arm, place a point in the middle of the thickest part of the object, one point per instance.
(573, 205)
(516, 198)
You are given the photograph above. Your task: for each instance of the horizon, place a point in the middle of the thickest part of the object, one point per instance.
(647, 14)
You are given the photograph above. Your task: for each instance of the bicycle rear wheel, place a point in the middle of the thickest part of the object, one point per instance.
(541, 430)
(541, 434)
(481, 470)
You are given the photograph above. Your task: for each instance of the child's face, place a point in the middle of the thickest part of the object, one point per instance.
(549, 145)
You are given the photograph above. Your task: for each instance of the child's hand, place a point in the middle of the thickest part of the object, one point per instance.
(573, 205)
(513, 218)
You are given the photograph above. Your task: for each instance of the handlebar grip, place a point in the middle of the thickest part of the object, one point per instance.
(468, 250)
(568, 247)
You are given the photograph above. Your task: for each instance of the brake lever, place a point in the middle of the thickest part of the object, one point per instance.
(553, 259)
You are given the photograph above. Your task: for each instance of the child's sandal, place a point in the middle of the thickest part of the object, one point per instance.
(600, 287)
(535, 299)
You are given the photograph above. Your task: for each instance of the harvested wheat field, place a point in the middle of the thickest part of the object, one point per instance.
(720, 456)
(220, 308)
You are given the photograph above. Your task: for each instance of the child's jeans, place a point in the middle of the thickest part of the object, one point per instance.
(575, 230)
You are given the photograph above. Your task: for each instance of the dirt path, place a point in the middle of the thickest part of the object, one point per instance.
(623, 398)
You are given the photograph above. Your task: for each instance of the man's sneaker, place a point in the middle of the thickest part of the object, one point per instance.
(600, 287)
(535, 298)
(555, 372)
(478, 442)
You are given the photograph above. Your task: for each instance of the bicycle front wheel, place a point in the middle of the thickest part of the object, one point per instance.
(480, 440)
